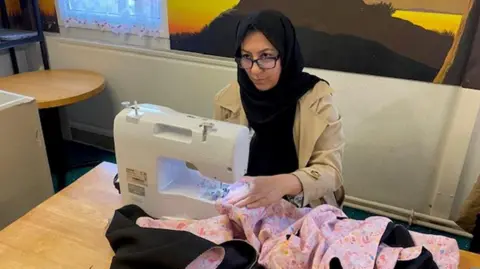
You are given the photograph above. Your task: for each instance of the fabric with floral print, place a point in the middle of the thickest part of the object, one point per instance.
(289, 237)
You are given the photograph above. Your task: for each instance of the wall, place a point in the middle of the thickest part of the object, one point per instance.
(395, 128)
(471, 169)
(5, 64)
(5, 67)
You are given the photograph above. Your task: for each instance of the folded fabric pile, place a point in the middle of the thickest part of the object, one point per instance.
(278, 236)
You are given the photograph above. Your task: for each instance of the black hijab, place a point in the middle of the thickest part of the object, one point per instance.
(271, 114)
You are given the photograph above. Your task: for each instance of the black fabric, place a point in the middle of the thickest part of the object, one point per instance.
(335, 264)
(475, 243)
(423, 261)
(144, 248)
(399, 237)
(271, 113)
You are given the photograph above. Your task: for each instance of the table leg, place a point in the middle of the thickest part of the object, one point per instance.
(13, 59)
(56, 151)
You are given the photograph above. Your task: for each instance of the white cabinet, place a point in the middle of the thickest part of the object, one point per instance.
(25, 179)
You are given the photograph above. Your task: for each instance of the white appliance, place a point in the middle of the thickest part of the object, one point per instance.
(175, 165)
(25, 179)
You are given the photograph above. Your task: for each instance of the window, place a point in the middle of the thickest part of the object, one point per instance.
(137, 17)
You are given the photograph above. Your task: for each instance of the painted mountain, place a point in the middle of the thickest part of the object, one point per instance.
(342, 35)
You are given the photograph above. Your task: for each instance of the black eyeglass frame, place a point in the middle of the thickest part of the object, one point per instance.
(257, 61)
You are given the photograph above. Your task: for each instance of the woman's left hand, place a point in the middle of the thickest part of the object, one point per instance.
(266, 190)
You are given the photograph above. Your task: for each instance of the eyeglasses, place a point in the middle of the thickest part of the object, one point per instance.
(263, 63)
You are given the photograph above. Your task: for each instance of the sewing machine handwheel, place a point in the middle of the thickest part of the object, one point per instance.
(116, 183)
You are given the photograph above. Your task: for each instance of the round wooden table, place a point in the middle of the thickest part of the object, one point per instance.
(53, 89)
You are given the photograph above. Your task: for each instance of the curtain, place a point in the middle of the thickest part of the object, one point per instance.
(138, 17)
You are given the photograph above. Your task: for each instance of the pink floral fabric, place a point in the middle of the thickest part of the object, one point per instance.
(289, 237)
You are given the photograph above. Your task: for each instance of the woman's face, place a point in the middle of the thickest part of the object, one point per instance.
(256, 46)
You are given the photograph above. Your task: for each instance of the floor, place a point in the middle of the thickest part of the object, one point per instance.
(79, 154)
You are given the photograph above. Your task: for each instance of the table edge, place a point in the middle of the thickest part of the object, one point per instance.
(71, 100)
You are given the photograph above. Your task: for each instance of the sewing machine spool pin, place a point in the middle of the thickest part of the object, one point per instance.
(135, 107)
(126, 104)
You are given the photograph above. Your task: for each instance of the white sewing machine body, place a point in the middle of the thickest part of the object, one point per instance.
(157, 150)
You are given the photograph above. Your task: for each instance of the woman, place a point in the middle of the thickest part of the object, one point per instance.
(297, 147)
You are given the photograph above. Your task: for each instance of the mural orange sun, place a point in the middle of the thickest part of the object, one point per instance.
(47, 7)
(192, 16)
(13, 7)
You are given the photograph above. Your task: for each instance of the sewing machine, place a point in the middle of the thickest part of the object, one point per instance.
(175, 165)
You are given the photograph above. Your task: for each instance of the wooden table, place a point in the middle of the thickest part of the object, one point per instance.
(53, 89)
(68, 230)
(469, 260)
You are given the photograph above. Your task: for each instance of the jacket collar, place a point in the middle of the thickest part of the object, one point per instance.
(309, 115)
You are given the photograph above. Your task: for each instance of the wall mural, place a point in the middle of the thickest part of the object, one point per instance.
(408, 39)
(463, 64)
(21, 17)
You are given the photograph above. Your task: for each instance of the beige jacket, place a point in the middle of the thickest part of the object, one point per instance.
(319, 140)
(470, 209)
